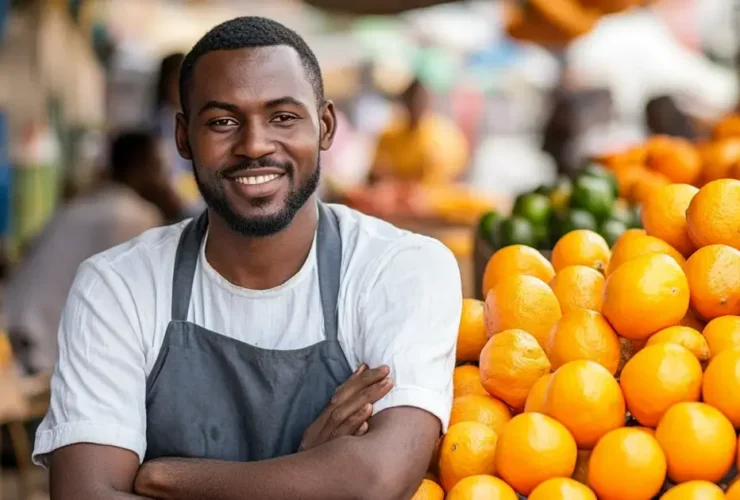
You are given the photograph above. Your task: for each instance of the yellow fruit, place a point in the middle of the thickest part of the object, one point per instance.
(721, 384)
(713, 216)
(714, 280)
(664, 216)
(510, 364)
(627, 464)
(516, 259)
(578, 287)
(471, 336)
(429, 490)
(468, 449)
(561, 488)
(658, 377)
(581, 248)
(674, 157)
(522, 302)
(536, 396)
(626, 237)
(481, 487)
(723, 333)
(587, 400)
(466, 380)
(719, 157)
(637, 246)
(694, 490)
(733, 492)
(645, 295)
(699, 442)
(583, 334)
(685, 336)
(533, 448)
(484, 409)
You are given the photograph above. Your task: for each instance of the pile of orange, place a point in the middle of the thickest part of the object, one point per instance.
(610, 373)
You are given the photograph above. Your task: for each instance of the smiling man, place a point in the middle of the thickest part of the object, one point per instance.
(274, 347)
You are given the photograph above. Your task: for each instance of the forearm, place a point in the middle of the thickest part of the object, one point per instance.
(336, 470)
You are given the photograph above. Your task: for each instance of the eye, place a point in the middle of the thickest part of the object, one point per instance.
(222, 123)
(283, 118)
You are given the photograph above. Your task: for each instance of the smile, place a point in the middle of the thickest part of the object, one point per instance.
(257, 179)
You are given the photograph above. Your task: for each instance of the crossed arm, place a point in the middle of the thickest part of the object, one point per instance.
(387, 462)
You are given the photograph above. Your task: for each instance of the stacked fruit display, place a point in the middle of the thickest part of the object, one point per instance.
(609, 373)
(539, 218)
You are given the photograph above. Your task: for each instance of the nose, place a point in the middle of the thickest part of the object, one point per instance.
(255, 141)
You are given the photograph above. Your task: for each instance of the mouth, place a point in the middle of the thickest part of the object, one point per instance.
(253, 180)
(258, 183)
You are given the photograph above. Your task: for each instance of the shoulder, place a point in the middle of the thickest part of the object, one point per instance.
(376, 251)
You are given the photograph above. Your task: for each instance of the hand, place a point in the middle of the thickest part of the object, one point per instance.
(350, 407)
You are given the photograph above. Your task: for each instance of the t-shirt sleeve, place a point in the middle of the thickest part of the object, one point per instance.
(409, 318)
(98, 383)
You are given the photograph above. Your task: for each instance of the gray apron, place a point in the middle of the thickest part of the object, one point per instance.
(211, 396)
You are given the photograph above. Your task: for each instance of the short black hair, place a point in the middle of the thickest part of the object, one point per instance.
(130, 150)
(245, 32)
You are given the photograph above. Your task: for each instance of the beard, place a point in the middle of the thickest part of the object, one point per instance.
(215, 197)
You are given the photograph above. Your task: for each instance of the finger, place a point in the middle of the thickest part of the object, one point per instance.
(360, 370)
(369, 396)
(353, 423)
(353, 385)
(363, 429)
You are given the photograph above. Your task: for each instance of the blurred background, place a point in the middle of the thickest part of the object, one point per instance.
(448, 112)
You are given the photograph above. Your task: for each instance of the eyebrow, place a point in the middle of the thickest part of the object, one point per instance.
(219, 105)
(233, 108)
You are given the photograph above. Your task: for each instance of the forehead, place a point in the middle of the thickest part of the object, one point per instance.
(250, 76)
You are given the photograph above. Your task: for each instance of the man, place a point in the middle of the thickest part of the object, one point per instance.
(419, 145)
(221, 351)
(135, 198)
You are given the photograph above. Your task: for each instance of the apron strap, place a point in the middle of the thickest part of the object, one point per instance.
(186, 260)
(329, 262)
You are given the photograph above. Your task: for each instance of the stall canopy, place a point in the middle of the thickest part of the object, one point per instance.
(375, 7)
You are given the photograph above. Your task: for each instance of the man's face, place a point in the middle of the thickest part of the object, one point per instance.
(254, 133)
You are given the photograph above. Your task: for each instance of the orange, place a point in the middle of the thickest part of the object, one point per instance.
(533, 448)
(627, 464)
(466, 380)
(733, 492)
(482, 486)
(536, 397)
(522, 302)
(510, 364)
(471, 335)
(516, 259)
(644, 295)
(694, 490)
(714, 279)
(629, 175)
(628, 235)
(583, 334)
(561, 488)
(637, 246)
(581, 248)
(578, 287)
(429, 490)
(723, 333)
(664, 216)
(674, 157)
(649, 430)
(699, 442)
(468, 449)
(587, 400)
(658, 377)
(729, 126)
(484, 409)
(718, 158)
(646, 184)
(721, 385)
(685, 336)
(713, 216)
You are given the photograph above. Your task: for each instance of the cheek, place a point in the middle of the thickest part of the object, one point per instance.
(210, 152)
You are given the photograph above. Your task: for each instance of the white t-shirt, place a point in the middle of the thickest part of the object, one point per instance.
(399, 304)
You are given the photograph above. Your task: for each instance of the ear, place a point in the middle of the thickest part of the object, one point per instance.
(327, 124)
(181, 136)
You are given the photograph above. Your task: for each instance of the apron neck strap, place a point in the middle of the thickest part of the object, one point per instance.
(328, 256)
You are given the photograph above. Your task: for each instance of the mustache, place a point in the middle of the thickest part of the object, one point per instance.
(258, 163)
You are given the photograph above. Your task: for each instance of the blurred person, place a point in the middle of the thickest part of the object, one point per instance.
(135, 197)
(664, 117)
(262, 349)
(166, 107)
(420, 145)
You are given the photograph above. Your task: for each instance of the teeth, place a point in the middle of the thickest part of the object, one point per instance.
(258, 179)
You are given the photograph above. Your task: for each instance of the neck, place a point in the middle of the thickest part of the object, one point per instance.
(261, 263)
